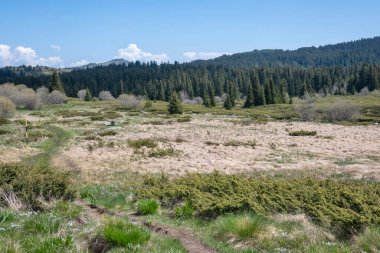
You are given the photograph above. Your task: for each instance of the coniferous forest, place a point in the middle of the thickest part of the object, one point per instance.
(272, 75)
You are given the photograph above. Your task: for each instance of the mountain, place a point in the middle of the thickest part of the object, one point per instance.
(343, 54)
(103, 64)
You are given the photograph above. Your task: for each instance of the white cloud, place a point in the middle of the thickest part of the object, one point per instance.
(56, 47)
(133, 53)
(79, 63)
(26, 55)
(191, 56)
(5, 54)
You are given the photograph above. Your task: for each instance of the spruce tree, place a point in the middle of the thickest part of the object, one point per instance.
(174, 106)
(228, 103)
(257, 92)
(206, 99)
(88, 96)
(283, 96)
(250, 101)
(55, 83)
(212, 98)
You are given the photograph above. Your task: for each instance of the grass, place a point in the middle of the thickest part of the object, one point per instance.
(119, 232)
(241, 227)
(303, 133)
(163, 152)
(235, 143)
(184, 211)
(184, 119)
(137, 144)
(147, 206)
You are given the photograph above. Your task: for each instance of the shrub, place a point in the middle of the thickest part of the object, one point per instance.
(81, 94)
(125, 234)
(306, 109)
(129, 101)
(42, 94)
(149, 143)
(55, 98)
(341, 112)
(147, 206)
(347, 206)
(303, 133)
(32, 182)
(7, 108)
(105, 95)
(148, 104)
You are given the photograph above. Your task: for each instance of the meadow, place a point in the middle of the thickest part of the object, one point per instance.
(96, 177)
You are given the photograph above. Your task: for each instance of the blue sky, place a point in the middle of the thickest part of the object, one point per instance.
(72, 32)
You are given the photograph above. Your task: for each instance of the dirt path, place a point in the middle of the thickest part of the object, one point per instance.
(188, 239)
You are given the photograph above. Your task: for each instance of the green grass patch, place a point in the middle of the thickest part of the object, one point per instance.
(162, 152)
(147, 206)
(303, 133)
(122, 233)
(184, 119)
(235, 143)
(139, 143)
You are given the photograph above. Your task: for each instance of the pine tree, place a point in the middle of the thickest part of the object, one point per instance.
(250, 101)
(228, 103)
(55, 82)
(88, 96)
(174, 106)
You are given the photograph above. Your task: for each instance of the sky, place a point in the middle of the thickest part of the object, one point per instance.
(66, 33)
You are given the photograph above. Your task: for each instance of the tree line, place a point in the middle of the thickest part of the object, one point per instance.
(261, 85)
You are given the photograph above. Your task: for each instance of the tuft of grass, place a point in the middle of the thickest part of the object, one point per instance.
(241, 227)
(107, 133)
(303, 133)
(162, 152)
(235, 143)
(369, 241)
(43, 223)
(184, 119)
(139, 143)
(185, 211)
(147, 206)
(124, 234)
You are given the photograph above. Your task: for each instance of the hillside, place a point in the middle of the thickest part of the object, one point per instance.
(347, 53)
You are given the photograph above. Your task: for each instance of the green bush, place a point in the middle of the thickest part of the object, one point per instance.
(31, 182)
(147, 206)
(149, 143)
(123, 233)
(303, 133)
(347, 206)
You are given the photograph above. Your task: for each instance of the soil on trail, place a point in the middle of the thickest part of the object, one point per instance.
(188, 239)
